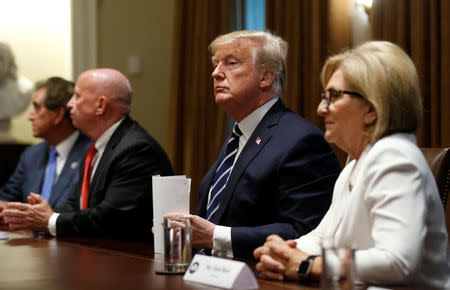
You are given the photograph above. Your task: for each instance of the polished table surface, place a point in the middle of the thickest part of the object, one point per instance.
(86, 263)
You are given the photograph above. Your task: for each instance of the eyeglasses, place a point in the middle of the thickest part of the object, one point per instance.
(331, 95)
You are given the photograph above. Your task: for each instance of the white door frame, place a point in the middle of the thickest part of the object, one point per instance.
(84, 35)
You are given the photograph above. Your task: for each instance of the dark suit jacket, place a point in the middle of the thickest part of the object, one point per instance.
(30, 172)
(120, 193)
(283, 185)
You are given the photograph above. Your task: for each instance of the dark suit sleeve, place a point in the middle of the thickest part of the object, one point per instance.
(73, 202)
(12, 191)
(124, 201)
(301, 186)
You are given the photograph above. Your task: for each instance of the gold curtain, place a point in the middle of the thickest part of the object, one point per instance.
(422, 29)
(196, 125)
(313, 30)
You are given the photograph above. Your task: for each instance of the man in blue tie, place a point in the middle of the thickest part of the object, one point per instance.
(52, 167)
(275, 172)
(114, 196)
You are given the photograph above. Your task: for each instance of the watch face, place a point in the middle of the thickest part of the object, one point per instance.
(304, 267)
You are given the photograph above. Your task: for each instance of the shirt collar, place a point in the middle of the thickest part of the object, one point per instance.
(100, 145)
(249, 123)
(66, 145)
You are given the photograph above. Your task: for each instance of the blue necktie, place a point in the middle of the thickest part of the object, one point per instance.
(223, 172)
(50, 175)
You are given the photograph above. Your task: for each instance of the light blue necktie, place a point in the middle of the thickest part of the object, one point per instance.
(50, 175)
(222, 174)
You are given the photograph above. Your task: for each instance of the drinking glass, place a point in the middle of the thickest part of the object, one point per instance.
(177, 244)
(338, 266)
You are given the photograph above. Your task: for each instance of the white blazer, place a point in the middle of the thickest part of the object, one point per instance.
(388, 208)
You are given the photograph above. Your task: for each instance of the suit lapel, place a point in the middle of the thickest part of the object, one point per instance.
(345, 194)
(207, 180)
(71, 167)
(99, 175)
(39, 175)
(255, 143)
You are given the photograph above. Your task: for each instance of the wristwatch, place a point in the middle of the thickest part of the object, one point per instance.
(305, 267)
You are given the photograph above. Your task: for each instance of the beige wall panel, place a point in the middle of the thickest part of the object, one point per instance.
(140, 29)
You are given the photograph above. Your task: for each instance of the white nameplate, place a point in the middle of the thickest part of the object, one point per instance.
(3, 236)
(220, 273)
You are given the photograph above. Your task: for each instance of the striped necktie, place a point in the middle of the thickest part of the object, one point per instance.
(222, 174)
(50, 175)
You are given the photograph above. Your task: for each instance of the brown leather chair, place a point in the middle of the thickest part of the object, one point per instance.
(439, 161)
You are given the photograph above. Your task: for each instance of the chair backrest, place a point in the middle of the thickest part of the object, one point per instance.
(9, 157)
(439, 161)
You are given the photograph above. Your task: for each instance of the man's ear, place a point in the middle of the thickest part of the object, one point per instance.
(60, 113)
(267, 79)
(102, 105)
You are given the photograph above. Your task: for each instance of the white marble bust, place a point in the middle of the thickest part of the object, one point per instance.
(15, 91)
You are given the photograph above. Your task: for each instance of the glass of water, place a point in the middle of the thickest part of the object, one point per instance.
(177, 244)
(338, 266)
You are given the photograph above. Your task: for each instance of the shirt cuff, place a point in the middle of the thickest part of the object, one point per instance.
(222, 242)
(52, 224)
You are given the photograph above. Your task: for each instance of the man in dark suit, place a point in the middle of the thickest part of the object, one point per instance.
(51, 121)
(279, 174)
(115, 196)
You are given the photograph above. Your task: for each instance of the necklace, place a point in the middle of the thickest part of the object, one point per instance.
(350, 177)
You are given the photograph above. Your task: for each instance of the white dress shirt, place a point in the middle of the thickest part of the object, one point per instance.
(63, 149)
(222, 234)
(100, 145)
(387, 206)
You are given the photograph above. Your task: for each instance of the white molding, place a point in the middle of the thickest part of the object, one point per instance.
(84, 35)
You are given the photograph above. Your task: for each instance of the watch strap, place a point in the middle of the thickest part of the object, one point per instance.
(305, 268)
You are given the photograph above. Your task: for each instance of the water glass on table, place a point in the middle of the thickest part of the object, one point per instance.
(338, 266)
(177, 244)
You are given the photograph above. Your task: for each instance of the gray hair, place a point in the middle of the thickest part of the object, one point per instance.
(59, 92)
(269, 53)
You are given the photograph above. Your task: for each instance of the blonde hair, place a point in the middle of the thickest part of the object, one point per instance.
(386, 76)
(269, 53)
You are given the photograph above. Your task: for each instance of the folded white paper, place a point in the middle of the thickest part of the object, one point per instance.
(3, 236)
(170, 194)
(220, 272)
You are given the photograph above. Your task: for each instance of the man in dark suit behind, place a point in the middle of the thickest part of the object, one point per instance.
(282, 172)
(51, 121)
(115, 196)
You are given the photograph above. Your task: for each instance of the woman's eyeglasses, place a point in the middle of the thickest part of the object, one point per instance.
(331, 95)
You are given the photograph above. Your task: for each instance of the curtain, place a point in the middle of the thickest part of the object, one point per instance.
(421, 28)
(313, 30)
(196, 124)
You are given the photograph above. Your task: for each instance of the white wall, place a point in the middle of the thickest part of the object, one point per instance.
(39, 33)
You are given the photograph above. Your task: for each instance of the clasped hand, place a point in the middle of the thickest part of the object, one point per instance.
(279, 259)
(33, 215)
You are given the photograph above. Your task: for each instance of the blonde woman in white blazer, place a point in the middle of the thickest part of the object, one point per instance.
(386, 203)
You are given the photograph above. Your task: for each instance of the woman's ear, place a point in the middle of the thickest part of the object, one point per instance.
(371, 116)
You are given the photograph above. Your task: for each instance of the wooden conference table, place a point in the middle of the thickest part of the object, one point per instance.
(76, 263)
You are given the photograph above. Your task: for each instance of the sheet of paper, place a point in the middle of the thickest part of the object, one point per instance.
(170, 194)
(3, 236)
